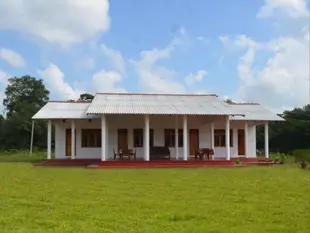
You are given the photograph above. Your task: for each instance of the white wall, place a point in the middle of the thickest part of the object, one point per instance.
(158, 124)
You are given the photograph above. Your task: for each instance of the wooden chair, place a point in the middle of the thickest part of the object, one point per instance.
(132, 153)
(116, 154)
(200, 154)
(207, 152)
(120, 153)
(127, 154)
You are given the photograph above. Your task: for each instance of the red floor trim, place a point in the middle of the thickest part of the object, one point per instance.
(97, 163)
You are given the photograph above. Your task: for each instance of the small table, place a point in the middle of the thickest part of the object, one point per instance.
(204, 152)
(131, 152)
(123, 153)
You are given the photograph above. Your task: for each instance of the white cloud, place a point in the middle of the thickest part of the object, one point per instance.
(283, 81)
(243, 41)
(203, 39)
(3, 78)
(191, 79)
(102, 81)
(86, 63)
(225, 40)
(292, 8)
(158, 79)
(13, 58)
(56, 83)
(105, 81)
(115, 58)
(245, 71)
(239, 42)
(59, 21)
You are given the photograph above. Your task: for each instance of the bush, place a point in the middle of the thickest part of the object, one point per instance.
(302, 155)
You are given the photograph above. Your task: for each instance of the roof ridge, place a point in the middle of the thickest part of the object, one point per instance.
(68, 101)
(154, 94)
(244, 103)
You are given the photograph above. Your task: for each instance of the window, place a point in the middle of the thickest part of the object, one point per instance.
(138, 137)
(91, 137)
(220, 138)
(180, 138)
(151, 138)
(170, 137)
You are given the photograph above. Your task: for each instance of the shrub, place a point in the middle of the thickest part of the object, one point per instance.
(302, 155)
(238, 161)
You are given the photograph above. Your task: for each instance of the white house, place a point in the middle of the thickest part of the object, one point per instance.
(181, 123)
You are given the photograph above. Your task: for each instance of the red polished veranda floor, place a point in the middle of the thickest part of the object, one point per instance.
(96, 163)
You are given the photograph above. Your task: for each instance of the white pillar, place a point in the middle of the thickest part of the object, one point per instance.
(185, 142)
(227, 138)
(103, 137)
(72, 139)
(49, 139)
(246, 139)
(212, 137)
(266, 140)
(106, 144)
(176, 138)
(147, 138)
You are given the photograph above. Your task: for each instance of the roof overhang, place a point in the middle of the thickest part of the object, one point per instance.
(63, 110)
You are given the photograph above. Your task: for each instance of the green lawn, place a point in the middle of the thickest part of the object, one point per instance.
(252, 199)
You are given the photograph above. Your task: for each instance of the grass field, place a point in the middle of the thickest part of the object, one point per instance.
(253, 199)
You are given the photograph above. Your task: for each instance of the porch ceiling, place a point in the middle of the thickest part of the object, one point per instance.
(160, 104)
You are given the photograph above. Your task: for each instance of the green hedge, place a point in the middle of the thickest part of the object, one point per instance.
(302, 155)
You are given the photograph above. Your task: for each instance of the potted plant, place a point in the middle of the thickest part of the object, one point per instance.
(238, 161)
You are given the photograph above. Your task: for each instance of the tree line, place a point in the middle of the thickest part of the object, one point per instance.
(25, 95)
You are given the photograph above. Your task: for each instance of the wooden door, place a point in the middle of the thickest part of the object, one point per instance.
(241, 142)
(122, 139)
(193, 141)
(68, 142)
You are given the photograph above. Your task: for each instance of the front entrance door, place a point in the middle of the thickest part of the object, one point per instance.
(193, 141)
(241, 142)
(68, 142)
(122, 139)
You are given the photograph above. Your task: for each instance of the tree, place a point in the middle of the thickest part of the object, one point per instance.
(293, 133)
(86, 97)
(229, 101)
(24, 97)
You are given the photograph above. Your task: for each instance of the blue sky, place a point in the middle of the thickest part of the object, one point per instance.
(238, 49)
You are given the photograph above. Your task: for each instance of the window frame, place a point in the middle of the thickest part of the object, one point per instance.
(220, 137)
(170, 133)
(180, 138)
(141, 144)
(138, 133)
(94, 142)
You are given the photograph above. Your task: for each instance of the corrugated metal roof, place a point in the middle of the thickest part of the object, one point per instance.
(159, 104)
(255, 112)
(63, 110)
